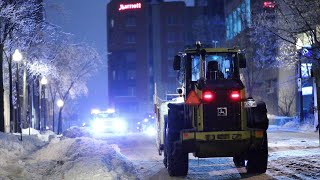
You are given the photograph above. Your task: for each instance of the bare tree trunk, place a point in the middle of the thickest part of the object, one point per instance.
(60, 121)
(53, 122)
(2, 123)
(36, 105)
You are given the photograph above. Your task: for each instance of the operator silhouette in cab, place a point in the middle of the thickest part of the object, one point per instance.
(213, 71)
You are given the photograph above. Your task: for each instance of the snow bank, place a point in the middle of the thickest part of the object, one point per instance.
(278, 120)
(83, 158)
(290, 123)
(11, 146)
(75, 131)
(44, 136)
(295, 124)
(61, 158)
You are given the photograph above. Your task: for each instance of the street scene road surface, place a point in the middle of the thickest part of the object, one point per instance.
(80, 155)
(292, 155)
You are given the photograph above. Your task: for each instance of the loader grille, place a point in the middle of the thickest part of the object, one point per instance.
(223, 114)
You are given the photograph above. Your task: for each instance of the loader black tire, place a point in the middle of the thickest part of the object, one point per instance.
(260, 116)
(165, 140)
(258, 158)
(239, 161)
(177, 159)
(175, 117)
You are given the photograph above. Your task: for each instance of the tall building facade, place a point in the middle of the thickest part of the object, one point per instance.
(275, 85)
(143, 37)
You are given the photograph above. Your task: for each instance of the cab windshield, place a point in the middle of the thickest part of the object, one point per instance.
(217, 66)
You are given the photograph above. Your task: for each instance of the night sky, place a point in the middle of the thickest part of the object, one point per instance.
(87, 21)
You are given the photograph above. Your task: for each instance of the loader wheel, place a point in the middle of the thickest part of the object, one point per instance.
(258, 158)
(165, 159)
(239, 161)
(177, 159)
(260, 116)
(165, 142)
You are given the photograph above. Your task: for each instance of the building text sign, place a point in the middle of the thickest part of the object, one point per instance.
(123, 7)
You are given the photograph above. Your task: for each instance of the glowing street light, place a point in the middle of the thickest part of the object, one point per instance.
(60, 103)
(42, 96)
(44, 80)
(17, 56)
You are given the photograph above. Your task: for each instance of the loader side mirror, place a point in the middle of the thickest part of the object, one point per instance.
(242, 60)
(176, 62)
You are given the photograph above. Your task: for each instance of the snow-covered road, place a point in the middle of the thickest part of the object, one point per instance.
(292, 155)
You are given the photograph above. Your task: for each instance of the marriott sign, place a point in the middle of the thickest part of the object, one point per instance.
(129, 6)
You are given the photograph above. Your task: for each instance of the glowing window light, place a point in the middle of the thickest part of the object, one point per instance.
(269, 4)
(307, 90)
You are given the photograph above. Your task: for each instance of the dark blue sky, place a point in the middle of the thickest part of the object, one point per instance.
(86, 19)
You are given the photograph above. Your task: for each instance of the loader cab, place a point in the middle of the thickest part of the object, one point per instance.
(210, 66)
(217, 66)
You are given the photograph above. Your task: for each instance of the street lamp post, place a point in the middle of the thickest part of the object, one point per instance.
(42, 97)
(60, 104)
(17, 57)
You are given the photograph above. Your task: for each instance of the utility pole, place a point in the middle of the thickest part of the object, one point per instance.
(25, 98)
(300, 93)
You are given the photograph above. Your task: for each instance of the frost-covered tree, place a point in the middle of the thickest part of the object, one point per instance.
(287, 97)
(271, 38)
(75, 64)
(296, 23)
(15, 16)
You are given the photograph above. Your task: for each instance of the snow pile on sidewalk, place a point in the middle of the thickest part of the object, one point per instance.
(75, 131)
(291, 123)
(11, 146)
(44, 136)
(295, 124)
(82, 158)
(61, 158)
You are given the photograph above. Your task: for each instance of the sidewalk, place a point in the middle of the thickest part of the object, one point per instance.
(282, 138)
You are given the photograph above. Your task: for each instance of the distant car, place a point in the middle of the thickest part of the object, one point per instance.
(107, 121)
(147, 126)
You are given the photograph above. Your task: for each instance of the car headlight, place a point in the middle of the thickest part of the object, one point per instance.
(98, 125)
(119, 125)
(151, 131)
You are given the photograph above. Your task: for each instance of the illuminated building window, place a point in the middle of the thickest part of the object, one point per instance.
(112, 23)
(307, 90)
(238, 19)
(306, 69)
(113, 75)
